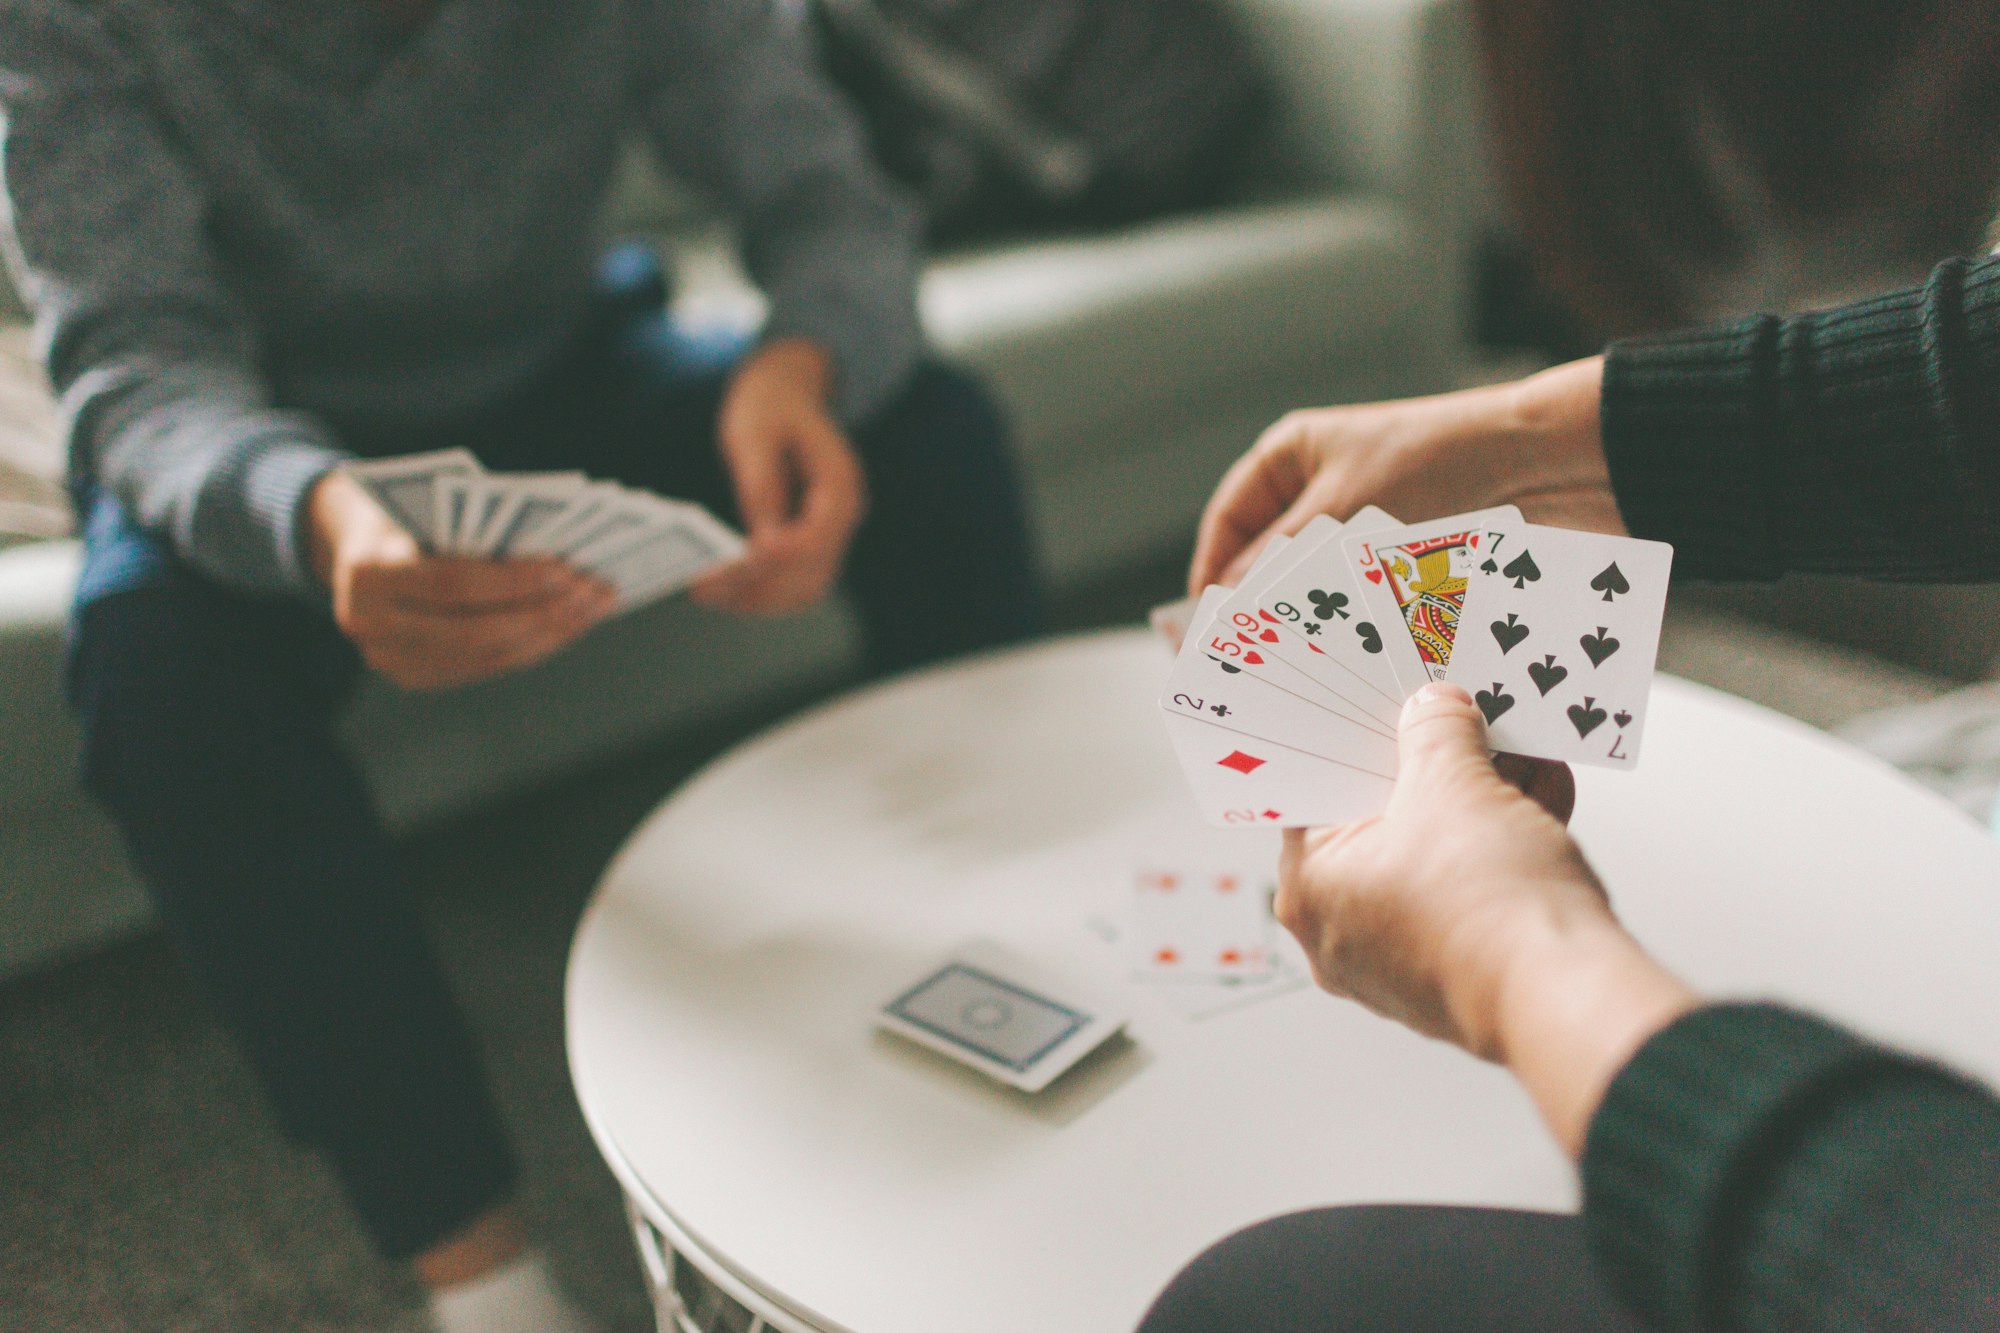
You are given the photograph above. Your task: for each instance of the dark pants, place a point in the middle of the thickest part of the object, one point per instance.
(207, 721)
(1387, 1269)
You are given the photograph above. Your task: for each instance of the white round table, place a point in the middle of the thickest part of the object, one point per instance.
(722, 983)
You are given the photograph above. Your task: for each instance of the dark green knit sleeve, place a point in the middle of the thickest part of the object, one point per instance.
(1753, 1168)
(1860, 440)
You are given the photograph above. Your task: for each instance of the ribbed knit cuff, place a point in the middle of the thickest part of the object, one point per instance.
(248, 529)
(1677, 1130)
(1685, 418)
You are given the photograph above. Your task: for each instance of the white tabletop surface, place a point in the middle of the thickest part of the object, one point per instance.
(722, 982)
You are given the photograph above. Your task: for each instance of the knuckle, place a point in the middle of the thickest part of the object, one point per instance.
(1289, 907)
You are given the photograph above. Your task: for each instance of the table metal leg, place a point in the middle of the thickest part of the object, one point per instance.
(685, 1299)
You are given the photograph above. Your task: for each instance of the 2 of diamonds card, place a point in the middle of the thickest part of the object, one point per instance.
(1558, 641)
(1243, 781)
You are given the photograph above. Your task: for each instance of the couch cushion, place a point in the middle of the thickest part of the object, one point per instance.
(1138, 365)
(33, 504)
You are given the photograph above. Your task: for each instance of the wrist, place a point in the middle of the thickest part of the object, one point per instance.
(325, 508)
(1525, 935)
(801, 364)
(1571, 1006)
(1553, 418)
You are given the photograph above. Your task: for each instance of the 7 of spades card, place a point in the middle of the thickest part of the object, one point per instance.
(1557, 644)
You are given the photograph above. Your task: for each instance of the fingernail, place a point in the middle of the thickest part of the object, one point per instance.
(1435, 692)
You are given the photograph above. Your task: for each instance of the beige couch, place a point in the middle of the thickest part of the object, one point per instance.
(1137, 365)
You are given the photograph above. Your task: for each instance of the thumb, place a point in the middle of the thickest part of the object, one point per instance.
(762, 472)
(1441, 739)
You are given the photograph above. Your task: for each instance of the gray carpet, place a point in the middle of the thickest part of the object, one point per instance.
(142, 1187)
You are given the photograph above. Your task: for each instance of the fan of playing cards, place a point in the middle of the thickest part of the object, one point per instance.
(644, 545)
(1283, 702)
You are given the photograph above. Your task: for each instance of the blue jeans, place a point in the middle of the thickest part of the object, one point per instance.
(207, 718)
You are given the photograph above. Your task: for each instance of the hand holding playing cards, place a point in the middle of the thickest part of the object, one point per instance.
(1534, 444)
(798, 483)
(1467, 912)
(427, 622)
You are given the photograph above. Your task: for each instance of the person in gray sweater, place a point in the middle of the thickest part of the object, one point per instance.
(263, 236)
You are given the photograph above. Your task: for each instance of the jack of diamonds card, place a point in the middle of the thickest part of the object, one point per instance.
(1558, 643)
(1416, 577)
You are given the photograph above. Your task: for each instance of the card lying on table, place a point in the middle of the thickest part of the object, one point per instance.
(645, 545)
(1201, 923)
(1285, 693)
(994, 1011)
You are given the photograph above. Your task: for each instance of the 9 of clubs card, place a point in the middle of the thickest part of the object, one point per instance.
(1558, 644)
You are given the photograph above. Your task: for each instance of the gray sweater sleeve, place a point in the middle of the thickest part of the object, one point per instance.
(736, 103)
(155, 366)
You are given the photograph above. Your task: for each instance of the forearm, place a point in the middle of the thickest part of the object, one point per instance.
(739, 105)
(851, 290)
(1863, 440)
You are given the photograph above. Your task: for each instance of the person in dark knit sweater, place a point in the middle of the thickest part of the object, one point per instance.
(1743, 1166)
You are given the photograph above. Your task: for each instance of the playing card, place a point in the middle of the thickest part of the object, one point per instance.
(579, 511)
(1559, 640)
(1201, 923)
(531, 509)
(1253, 626)
(1273, 550)
(1252, 653)
(1312, 602)
(449, 500)
(645, 545)
(1195, 1003)
(495, 501)
(1217, 995)
(1241, 781)
(1170, 621)
(1213, 682)
(1413, 584)
(667, 560)
(633, 519)
(406, 486)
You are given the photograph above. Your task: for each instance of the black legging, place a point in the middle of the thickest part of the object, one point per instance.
(1394, 1269)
